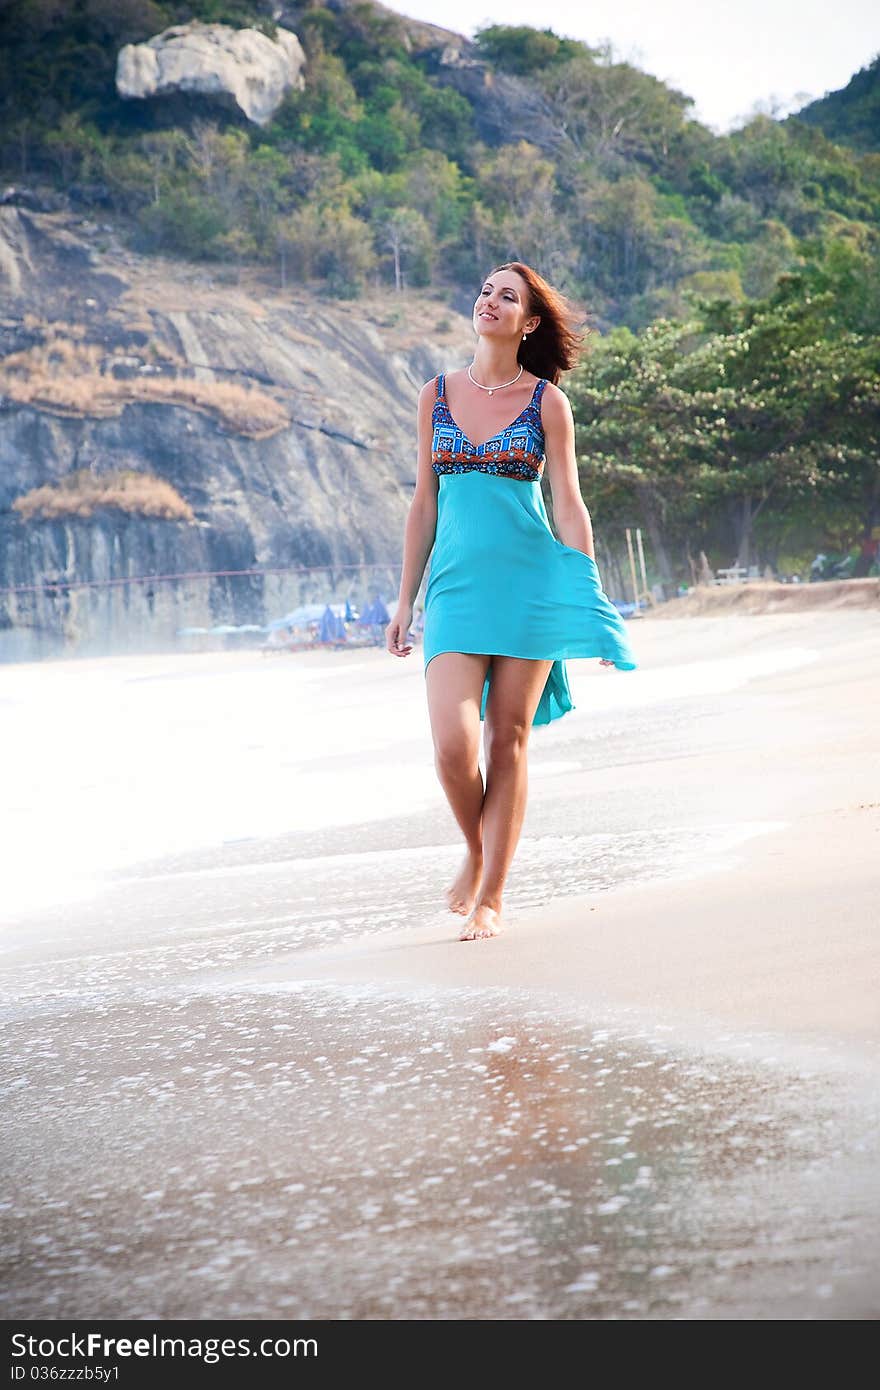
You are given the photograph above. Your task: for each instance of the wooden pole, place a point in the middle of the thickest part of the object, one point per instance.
(632, 566)
(645, 590)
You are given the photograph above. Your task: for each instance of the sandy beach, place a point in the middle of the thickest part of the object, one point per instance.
(249, 1070)
(783, 934)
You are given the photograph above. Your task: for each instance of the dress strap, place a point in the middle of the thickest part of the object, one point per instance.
(440, 385)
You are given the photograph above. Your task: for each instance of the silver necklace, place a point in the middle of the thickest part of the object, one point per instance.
(500, 386)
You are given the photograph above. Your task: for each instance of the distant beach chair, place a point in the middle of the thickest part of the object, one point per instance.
(734, 574)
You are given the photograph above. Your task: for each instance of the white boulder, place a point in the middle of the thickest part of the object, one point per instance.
(214, 60)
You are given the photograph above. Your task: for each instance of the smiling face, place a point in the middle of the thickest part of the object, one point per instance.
(502, 307)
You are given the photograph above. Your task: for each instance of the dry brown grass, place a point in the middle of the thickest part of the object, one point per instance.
(766, 596)
(69, 376)
(83, 493)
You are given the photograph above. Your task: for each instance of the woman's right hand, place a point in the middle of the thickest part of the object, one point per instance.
(397, 632)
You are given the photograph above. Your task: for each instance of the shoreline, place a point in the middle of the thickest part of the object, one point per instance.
(691, 954)
(756, 738)
(264, 1078)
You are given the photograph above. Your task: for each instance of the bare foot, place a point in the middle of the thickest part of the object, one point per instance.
(462, 895)
(483, 921)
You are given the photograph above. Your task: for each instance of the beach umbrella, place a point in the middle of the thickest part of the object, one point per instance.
(298, 617)
(306, 613)
(381, 612)
(327, 631)
(349, 616)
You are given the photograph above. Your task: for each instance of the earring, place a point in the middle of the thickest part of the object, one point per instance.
(525, 335)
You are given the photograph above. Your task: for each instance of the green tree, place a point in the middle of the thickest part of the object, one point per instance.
(163, 152)
(76, 145)
(184, 224)
(612, 112)
(747, 411)
(520, 49)
(329, 243)
(324, 115)
(405, 233)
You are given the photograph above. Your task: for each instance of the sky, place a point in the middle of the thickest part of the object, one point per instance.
(773, 55)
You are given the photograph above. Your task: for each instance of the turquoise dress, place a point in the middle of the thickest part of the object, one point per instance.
(500, 583)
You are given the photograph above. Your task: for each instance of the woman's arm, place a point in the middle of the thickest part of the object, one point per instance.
(570, 514)
(420, 529)
(421, 522)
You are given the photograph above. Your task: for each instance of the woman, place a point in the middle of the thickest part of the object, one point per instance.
(506, 602)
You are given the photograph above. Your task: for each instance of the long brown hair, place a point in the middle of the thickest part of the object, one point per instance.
(555, 345)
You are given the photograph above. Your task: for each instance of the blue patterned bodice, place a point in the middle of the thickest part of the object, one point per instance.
(516, 451)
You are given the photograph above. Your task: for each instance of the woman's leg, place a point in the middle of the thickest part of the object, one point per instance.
(517, 685)
(454, 683)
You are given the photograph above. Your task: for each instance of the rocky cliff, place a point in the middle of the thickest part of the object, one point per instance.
(285, 421)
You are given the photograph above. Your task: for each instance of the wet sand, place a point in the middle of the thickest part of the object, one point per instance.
(332, 1152)
(778, 931)
(261, 1078)
(786, 942)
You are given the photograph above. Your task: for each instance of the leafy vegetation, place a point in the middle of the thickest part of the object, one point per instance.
(377, 171)
(750, 431)
(852, 115)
